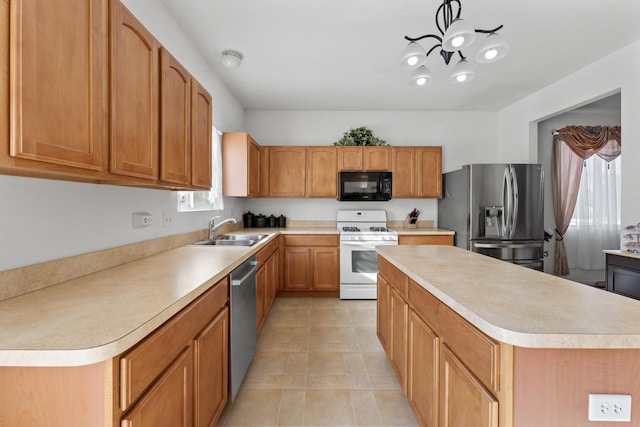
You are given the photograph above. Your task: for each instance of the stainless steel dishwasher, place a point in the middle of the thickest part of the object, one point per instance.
(243, 322)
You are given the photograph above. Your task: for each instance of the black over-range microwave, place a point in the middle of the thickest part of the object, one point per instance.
(364, 186)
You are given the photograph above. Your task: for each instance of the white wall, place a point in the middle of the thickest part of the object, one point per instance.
(44, 219)
(619, 71)
(545, 150)
(466, 137)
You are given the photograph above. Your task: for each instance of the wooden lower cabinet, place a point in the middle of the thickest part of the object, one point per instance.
(452, 374)
(211, 371)
(398, 314)
(267, 280)
(382, 316)
(423, 371)
(311, 263)
(170, 401)
(464, 402)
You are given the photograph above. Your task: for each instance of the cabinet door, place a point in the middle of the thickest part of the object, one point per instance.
(404, 172)
(134, 96)
(274, 284)
(399, 311)
(322, 172)
(170, 401)
(253, 178)
(377, 158)
(287, 171)
(422, 371)
(261, 294)
(201, 128)
(350, 159)
(464, 402)
(429, 171)
(326, 268)
(58, 81)
(297, 271)
(175, 122)
(211, 370)
(383, 321)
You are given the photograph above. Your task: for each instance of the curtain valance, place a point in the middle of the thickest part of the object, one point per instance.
(585, 141)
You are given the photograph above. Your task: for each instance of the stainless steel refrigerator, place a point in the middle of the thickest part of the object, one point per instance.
(496, 210)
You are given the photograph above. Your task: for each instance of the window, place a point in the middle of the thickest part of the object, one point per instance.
(206, 200)
(595, 225)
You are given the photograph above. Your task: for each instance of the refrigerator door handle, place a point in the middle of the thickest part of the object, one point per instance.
(514, 195)
(506, 245)
(506, 201)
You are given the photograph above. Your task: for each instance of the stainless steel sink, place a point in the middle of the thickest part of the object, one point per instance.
(256, 237)
(232, 240)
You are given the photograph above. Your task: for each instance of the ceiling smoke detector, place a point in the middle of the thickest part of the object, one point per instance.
(231, 58)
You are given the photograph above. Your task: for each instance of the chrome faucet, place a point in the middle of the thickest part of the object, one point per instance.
(213, 227)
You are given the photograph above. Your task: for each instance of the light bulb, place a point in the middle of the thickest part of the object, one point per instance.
(490, 54)
(461, 78)
(412, 60)
(421, 81)
(457, 41)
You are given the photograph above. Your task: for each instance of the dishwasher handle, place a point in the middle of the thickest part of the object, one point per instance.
(252, 270)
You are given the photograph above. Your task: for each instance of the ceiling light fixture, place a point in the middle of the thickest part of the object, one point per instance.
(231, 58)
(455, 34)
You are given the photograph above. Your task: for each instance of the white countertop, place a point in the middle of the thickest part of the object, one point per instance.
(519, 306)
(98, 316)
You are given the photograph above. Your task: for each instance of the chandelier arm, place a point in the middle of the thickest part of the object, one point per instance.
(444, 13)
(433, 48)
(459, 8)
(433, 36)
(462, 57)
(488, 31)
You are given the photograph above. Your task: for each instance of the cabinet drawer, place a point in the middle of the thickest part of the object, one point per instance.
(396, 278)
(425, 239)
(311, 240)
(265, 253)
(140, 366)
(478, 352)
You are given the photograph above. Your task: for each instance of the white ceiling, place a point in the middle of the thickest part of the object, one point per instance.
(344, 54)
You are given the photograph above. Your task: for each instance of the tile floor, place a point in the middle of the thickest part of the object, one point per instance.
(319, 363)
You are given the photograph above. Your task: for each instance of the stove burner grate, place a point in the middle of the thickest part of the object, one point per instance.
(385, 229)
(351, 229)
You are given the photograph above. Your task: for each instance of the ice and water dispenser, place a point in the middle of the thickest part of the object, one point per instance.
(491, 221)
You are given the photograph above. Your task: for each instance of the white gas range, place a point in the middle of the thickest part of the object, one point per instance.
(360, 232)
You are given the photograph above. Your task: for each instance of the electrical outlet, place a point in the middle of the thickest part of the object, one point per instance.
(609, 407)
(167, 220)
(142, 219)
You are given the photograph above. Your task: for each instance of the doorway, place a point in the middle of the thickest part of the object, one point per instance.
(603, 112)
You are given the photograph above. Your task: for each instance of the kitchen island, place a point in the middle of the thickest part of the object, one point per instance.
(472, 336)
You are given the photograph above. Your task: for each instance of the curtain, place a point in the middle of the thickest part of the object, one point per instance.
(595, 225)
(571, 145)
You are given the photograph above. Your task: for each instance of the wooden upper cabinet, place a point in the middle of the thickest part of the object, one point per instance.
(417, 172)
(377, 158)
(134, 96)
(58, 82)
(287, 171)
(240, 165)
(403, 167)
(364, 158)
(429, 171)
(322, 172)
(201, 137)
(175, 121)
(350, 159)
